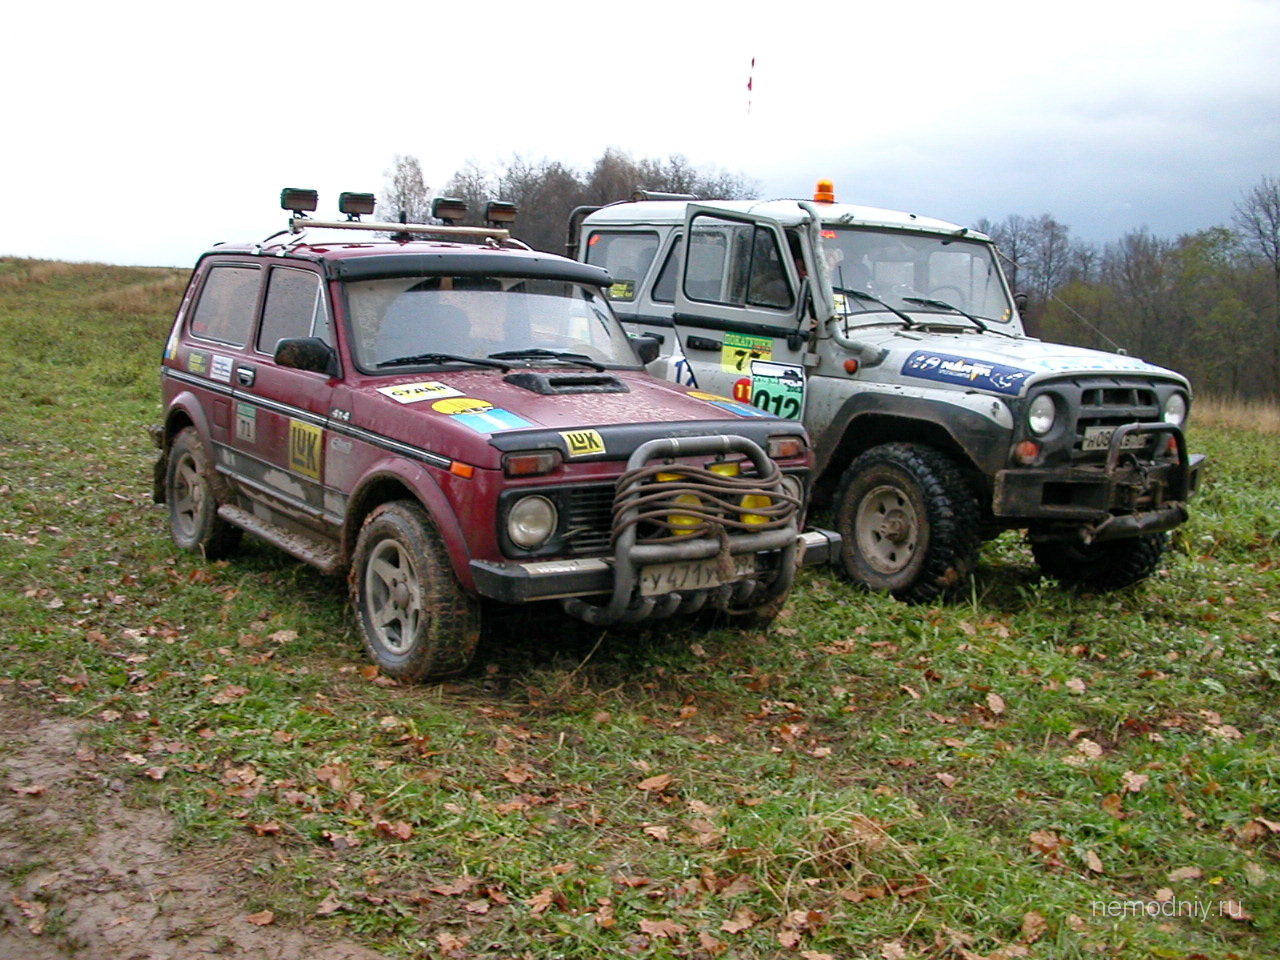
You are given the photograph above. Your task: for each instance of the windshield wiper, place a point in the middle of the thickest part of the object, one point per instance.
(538, 353)
(863, 295)
(440, 358)
(943, 305)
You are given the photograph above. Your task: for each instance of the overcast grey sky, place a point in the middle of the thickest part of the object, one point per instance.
(140, 133)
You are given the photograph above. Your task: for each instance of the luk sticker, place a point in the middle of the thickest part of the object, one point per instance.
(492, 420)
(583, 443)
(739, 350)
(456, 405)
(221, 368)
(965, 371)
(777, 388)
(415, 392)
(304, 448)
(246, 422)
(198, 362)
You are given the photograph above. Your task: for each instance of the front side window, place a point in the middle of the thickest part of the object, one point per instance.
(294, 308)
(627, 257)
(228, 301)
(399, 317)
(903, 269)
(736, 263)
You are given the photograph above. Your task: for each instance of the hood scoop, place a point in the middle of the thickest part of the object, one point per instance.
(559, 384)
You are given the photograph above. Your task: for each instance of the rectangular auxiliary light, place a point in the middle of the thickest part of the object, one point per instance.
(499, 211)
(299, 201)
(356, 204)
(448, 209)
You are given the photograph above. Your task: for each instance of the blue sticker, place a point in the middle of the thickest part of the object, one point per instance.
(945, 368)
(491, 421)
(741, 409)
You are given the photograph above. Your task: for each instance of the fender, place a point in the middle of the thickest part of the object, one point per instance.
(417, 479)
(980, 439)
(186, 402)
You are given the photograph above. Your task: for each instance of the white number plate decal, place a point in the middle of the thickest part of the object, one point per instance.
(663, 578)
(1099, 438)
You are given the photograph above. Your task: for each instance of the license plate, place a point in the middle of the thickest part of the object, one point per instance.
(660, 578)
(1099, 438)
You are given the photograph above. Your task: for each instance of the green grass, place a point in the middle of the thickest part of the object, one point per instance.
(958, 781)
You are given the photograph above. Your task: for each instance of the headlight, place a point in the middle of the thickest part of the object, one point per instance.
(1175, 409)
(531, 522)
(1041, 414)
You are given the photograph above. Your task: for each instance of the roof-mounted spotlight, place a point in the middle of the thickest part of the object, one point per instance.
(355, 205)
(448, 209)
(300, 202)
(498, 212)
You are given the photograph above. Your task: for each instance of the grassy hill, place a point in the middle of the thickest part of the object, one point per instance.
(1023, 774)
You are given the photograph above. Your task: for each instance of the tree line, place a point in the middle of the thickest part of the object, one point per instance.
(1206, 304)
(546, 192)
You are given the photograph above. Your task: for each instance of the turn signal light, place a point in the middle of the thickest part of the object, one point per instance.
(530, 464)
(1027, 452)
(851, 365)
(785, 448)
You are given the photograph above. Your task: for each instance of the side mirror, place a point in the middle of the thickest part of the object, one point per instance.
(647, 346)
(307, 353)
(1020, 301)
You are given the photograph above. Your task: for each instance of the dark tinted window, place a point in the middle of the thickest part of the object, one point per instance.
(736, 263)
(664, 288)
(227, 304)
(294, 308)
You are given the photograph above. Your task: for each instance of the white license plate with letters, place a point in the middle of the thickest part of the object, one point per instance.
(661, 578)
(1099, 438)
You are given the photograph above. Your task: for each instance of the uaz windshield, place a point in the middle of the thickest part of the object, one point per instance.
(893, 267)
(399, 318)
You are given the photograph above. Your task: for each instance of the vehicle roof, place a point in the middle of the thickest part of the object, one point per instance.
(348, 258)
(787, 212)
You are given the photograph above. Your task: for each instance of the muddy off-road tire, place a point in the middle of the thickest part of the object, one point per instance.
(909, 522)
(415, 620)
(1101, 566)
(190, 491)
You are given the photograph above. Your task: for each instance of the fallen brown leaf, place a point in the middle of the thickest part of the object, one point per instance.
(262, 918)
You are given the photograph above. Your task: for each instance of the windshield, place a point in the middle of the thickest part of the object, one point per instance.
(473, 317)
(893, 267)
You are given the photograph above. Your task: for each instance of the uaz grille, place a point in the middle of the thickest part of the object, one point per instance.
(1105, 406)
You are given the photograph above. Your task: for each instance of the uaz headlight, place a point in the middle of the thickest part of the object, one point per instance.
(1175, 409)
(1041, 414)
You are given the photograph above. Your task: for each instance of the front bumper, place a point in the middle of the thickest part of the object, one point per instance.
(517, 582)
(657, 489)
(1121, 497)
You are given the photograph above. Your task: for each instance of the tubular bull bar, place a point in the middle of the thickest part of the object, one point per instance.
(636, 499)
(1104, 503)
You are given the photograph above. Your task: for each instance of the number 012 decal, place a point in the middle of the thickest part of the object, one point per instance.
(778, 388)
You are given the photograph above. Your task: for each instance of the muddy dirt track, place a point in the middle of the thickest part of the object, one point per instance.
(84, 875)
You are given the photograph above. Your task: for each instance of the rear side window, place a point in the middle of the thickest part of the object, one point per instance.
(228, 301)
(294, 308)
(627, 257)
(664, 288)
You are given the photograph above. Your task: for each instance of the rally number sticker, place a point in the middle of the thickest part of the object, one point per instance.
(739, 350)
(778, 388)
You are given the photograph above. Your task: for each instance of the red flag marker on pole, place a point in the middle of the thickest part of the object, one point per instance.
(750, 77)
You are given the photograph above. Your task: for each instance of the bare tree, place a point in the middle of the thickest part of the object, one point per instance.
(406, 196)
(1257, 219)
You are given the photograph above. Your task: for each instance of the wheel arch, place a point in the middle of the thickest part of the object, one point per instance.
(977, 445)
(404, 481)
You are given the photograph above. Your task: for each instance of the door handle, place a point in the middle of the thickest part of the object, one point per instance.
(245, 376)
(702, 343)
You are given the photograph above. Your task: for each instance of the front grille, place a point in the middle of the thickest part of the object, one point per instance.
(588, 518)
(1109, 405)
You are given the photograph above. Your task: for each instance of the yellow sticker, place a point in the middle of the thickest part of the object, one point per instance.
(702, 395)
(305, 444)
(461, 405)
(622, 290)
(739, 350)
(582, 443)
